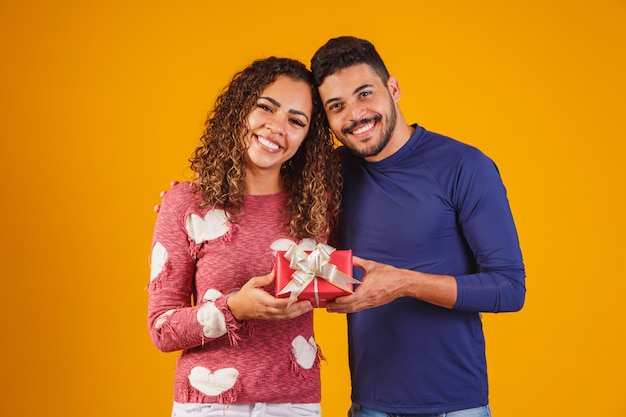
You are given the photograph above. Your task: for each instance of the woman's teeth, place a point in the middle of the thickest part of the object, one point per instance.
(267, 143)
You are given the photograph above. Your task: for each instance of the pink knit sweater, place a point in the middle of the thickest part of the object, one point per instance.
(198, 255)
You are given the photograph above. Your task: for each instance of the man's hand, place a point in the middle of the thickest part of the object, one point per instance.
(253, 302)
(384, 283)
(378, 287)
(161, 194)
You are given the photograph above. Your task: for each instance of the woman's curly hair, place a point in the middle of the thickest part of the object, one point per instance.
(311, 178)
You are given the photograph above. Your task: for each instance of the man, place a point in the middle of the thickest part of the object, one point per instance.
(429, 222)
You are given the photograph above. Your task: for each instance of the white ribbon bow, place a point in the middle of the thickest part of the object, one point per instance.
(307, 267)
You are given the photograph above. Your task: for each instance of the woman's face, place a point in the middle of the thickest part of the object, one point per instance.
(278, 123)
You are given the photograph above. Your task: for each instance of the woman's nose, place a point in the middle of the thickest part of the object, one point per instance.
(276, 124)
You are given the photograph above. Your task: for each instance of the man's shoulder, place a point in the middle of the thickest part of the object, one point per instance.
(441, 139)
(452, 148)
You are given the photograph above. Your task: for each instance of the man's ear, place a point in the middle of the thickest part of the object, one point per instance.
(394, 88)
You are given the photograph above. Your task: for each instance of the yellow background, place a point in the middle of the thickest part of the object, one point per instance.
(102, 103)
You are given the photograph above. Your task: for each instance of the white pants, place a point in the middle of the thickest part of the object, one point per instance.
(246, 410)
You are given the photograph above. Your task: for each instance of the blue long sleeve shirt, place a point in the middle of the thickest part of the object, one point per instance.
(437, 206)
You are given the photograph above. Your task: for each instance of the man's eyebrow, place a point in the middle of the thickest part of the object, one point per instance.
(363, 87)
(356, 91)
(330, 100)
(291, 111)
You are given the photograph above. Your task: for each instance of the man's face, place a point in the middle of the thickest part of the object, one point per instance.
(361, 109)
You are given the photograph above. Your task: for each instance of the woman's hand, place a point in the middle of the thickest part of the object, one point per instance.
(253, 302)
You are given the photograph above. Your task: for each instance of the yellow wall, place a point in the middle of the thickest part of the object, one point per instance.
(103, 101)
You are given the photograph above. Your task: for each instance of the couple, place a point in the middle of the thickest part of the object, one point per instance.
(427, 218)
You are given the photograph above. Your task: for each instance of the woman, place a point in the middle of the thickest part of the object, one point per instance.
(266, 176)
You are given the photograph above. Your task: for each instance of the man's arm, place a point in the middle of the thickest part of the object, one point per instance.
(384, 283)
(496, 283)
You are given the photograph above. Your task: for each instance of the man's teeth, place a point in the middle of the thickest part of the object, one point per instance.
(363, 128)
(267, 143)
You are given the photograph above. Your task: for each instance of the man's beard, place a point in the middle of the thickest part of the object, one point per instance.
(377, 147)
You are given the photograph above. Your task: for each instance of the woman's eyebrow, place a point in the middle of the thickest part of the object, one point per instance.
(292, 111)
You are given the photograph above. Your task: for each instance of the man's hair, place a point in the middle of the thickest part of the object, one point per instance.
(344, 52)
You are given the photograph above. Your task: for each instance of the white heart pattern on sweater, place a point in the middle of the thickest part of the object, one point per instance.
(284, 244)
(212, 320)
(211, 295)
(157, 260)
(212, 383)
(213, 225)
(305, 351)
(158, 323)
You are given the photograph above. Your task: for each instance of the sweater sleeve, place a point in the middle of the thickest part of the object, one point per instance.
(175, 321)
(487, 223)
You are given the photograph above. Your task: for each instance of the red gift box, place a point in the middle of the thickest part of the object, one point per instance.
(319, 291)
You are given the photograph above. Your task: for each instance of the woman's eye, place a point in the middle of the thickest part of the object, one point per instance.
(264, 106)
(298, 122)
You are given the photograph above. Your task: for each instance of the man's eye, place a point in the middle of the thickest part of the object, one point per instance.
(334, 107)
